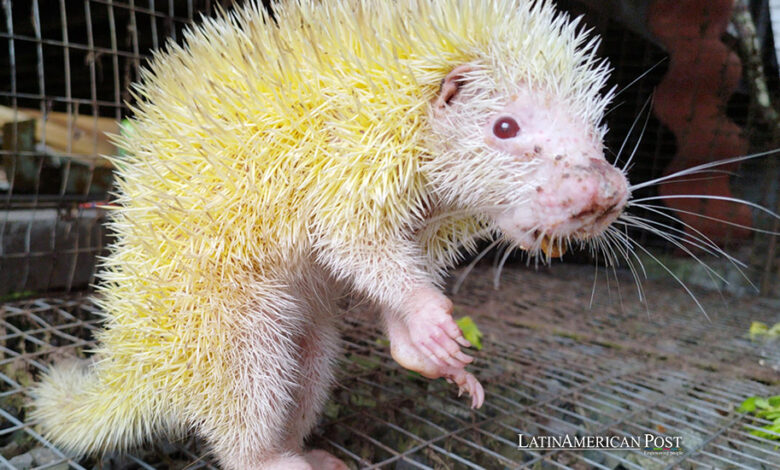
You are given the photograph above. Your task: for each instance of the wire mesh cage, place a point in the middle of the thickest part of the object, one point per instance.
(67, 70)
(552, 364)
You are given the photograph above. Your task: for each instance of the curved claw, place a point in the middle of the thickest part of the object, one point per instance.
(478, 397)
(468, 383)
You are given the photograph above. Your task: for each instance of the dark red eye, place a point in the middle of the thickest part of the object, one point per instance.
(506, 128)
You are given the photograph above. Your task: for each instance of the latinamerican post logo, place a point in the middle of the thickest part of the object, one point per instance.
(648, 443)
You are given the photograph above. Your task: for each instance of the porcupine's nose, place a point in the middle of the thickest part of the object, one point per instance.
(613, 187)
(604, 187)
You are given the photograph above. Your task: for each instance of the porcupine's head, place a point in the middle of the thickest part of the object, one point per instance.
(519, 136)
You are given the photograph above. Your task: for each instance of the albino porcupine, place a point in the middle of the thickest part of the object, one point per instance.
(352, 143)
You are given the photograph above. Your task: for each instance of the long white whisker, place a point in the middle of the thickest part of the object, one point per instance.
(680, 235)
(640, 77)
(699, 237)
(703, 166)
(612, 258)
(598, 247)
(714, 250)
(609, 246)
(607, 264)
(734, 224)
(690, 293)
(626, 239)
(671, 239)
(597, 242)
(462, 277)
(497, 275)
(611, 233)
(616, 106)
(662, 234)
(709, 196)
(595, 278)
(627, 166)
(631, 132)
(722, 174)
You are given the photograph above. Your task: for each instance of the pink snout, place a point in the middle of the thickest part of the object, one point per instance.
(589, 196)
(605, 188)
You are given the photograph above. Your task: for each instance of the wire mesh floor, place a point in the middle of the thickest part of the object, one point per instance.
(550, 366)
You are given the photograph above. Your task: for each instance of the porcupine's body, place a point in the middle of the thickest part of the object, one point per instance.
(267, 164)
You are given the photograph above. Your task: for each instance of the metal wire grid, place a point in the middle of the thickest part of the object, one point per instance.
(549, 365)
(67, 65)
(88, 70)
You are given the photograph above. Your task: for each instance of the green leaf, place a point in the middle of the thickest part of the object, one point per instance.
(757, 329)
(773, 415)
(774, 332)
(762, 403)
(767, 408)
(748, 406)
(764, 434)
(470, 331)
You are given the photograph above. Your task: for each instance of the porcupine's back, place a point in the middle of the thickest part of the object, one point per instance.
(246, 134)
(246, 145)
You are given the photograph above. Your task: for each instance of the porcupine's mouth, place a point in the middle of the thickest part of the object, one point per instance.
(594, 222)
(588, 225)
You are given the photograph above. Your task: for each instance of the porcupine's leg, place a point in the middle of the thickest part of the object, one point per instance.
(319, 345)
(283, 355)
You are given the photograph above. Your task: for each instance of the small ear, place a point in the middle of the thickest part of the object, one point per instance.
(450, 86)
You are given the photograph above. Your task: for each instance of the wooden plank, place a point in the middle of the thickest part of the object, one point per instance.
(82, 138)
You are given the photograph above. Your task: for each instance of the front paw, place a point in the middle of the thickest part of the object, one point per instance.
(410, 357)
(439, 339)
(433, 331)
